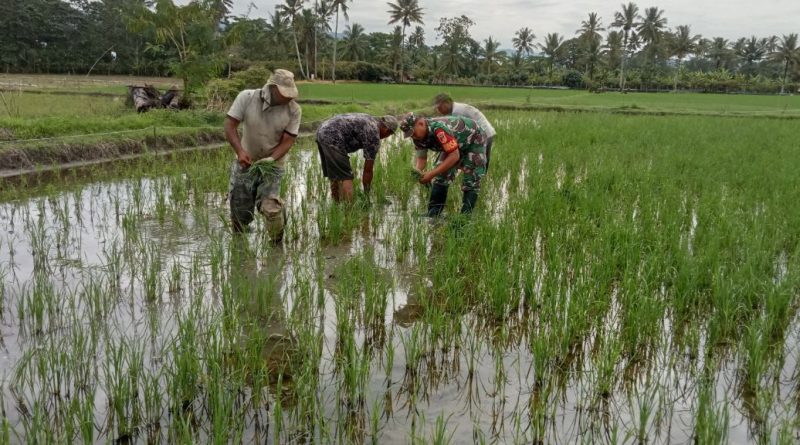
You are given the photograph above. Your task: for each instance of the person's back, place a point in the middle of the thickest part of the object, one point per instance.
(353, 132)
(343, 134)
(466, 110)
(445, 106)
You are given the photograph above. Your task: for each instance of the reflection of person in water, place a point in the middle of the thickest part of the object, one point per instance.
(409, 313)
(260, 308)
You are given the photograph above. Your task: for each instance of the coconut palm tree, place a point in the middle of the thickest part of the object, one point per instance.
(355, 43)
(719, 51)
(625, 19)
(787, 52)
(339, 6)
(305, 29)
(405, 12)
(219, 8)
(682, 43)
(652, 24)
(590, 29)
(523, 41)
(491, 52)
(651, 30)
(613, 49)
(395, 50)
(277, 35)
(552, 48)
(750, 52)
(416, 41)
(323, 10)
(772, 43)
(290, 10)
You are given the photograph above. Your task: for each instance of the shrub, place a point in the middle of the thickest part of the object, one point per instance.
(573, 79)
(222, 91)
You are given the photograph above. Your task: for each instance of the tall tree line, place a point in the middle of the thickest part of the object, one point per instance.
(635, 46)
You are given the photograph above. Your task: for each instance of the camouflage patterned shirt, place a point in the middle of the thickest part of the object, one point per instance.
(350, 133)
(450, 133)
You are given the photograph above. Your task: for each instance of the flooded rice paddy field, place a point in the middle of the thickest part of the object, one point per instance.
(624, 280)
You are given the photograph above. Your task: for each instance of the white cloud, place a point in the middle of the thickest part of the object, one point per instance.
(501, 18)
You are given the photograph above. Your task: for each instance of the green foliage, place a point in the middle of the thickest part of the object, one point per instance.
(572, 79)
(192, 32)
(225, 90)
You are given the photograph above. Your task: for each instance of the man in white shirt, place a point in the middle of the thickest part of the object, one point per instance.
(270, 118)
(444, 105)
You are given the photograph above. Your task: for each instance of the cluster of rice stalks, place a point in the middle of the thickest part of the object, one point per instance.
(624, 279)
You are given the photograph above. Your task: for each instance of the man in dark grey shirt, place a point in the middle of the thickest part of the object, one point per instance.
(347, 133)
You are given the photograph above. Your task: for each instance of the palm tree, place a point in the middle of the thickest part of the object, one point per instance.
(750, 51)
(590, 29)
(290, 10)
(219, 8)
(417, 41)
(355, 43)
(491, 51)
(277, 35)
(338, 6)
(405, 12)
(552, 48)
(625, 19)
(474, 55)
(651, 27)
(323, 11)
(523, 41)
(614, 48)
(682, 44)
(591, 55)
(305, 29)
(417, 38)
(719, 51)
(395, 52)
(788, 53)
(772, 43)
(651, 30)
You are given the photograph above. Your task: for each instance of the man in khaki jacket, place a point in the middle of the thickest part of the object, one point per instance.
(270, 120)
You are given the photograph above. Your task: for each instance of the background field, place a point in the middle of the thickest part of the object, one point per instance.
(55, 106)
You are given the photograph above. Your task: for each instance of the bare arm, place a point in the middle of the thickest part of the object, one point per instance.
(366, 177)
(449, 162)
(280, 150)
(232, 135)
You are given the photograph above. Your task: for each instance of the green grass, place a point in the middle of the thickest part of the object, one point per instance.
(681, 102)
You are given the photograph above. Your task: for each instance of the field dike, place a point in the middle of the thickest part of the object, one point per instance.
(35, 156)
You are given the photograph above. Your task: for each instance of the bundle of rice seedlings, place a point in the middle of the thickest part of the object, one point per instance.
(264, 169)
(416, 175)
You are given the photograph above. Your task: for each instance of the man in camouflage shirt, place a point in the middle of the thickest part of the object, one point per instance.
(462, 144)
(341, 135)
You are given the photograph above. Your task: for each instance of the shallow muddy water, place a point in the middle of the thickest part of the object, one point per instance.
(130, 314)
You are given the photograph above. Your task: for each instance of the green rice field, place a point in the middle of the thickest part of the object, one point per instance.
(624, 279)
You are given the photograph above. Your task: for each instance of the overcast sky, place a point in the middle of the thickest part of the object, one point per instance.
(501, 18)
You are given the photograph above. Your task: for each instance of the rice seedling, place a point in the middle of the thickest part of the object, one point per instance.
(623, 278)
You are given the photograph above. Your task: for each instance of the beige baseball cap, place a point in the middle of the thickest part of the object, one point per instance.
(284, 80)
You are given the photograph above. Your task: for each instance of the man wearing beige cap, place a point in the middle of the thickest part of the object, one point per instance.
(341, 135)
(271, 123)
